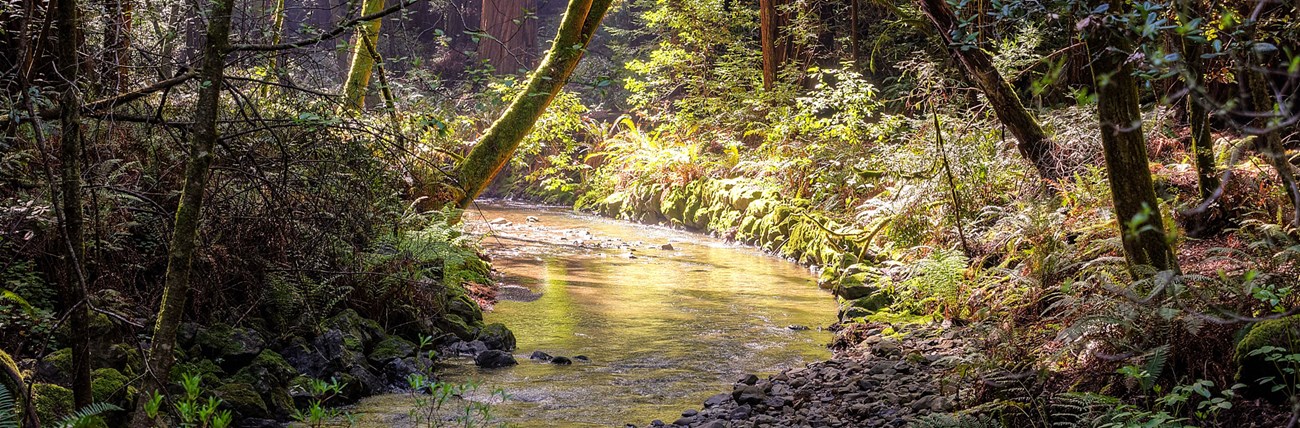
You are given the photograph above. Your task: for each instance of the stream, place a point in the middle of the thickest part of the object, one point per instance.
(667, 318)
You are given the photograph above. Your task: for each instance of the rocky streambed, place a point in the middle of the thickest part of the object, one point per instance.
(887, 379)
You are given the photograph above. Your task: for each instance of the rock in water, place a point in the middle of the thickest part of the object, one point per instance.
(539, 355)
(532, 219)
(498, 221)
(563, 361)
(668, 247)
(492, 359)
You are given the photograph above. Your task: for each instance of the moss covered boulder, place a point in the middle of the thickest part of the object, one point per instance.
(52, 402)
(232, 347)
(110, 386)
(497, 336)
(391, 348)
(242, 400)
(1261, 355)
(268, 372)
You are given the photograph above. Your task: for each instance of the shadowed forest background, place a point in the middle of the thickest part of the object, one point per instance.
(252, 212)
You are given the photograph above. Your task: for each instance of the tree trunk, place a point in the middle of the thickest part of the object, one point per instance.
(354, 89)
(854, 48)
(514, 34)
(184, 237)
(498, 144)
(115, 65)
(977, 64)
(1269, 142)
(74, 291)
(1128, 171)
(1202, 143)
(770, 21)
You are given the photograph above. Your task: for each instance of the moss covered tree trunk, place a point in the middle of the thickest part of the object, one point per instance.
(498, 144)
(354, 89)
(73, 282)
(184, 239)
(1032, 141)
(1137, 210)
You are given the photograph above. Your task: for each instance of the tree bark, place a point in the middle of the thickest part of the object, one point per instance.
(770, 21)
(1128, 171)
(115, 65)
(184, 239)
(498, 144)
(74, 292)
(514, 35)
(1202, 143)
(354, 89)
(977, 64)
(1269, 142)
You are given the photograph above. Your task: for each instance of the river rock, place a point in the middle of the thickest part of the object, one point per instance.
(497, 336)
(563, 361)
(499, 221)
(493, 358)
(467, 348)
(667, 247)
(541, 356)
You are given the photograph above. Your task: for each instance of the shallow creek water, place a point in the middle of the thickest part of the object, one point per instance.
(663, 328)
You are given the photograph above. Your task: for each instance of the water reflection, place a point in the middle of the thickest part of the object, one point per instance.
(663, 328)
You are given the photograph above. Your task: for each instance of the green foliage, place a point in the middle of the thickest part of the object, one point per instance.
(318, 413)
(936, 284)
(190, 410)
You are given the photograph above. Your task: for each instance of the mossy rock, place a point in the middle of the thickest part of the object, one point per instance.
(454, 324)
(871, 303)
(392, 348)
(460, 304)
(234, 346)
(109, 385)
(356, 327)
(52, 402)
(241, 399)
(56, 366)
(268, 372)
(124, 358)
(497, 336)
(1282, 334)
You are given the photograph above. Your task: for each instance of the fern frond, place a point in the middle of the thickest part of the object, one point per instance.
(84, 416)
(8, 408)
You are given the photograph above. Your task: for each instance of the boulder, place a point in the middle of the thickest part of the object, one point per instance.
(497, 336)
(492, 359)
(391, 348)
(109, 385)
(1276, 337)
(233, 346)
(242, 400)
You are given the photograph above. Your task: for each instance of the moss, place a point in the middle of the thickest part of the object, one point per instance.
(391, 348)
(1281, 333)
(13, 385)
(109, 386)
(60, 360)
(242, 399)
(52, 402)
(266, 373)
(125, 358)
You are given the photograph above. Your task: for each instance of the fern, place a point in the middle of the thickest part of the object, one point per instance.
(86, 416)
(8, 408)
